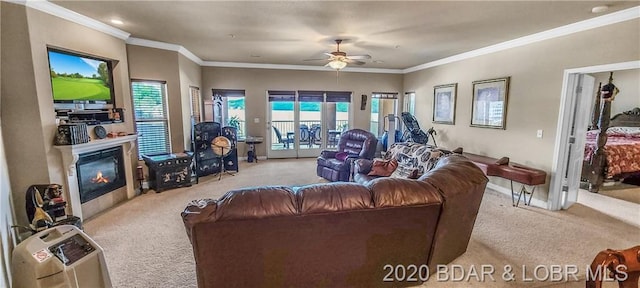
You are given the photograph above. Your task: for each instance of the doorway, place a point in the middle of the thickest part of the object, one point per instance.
(569, 146)
(302, 124)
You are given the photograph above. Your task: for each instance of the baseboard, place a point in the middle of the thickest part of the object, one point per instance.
(534, 202)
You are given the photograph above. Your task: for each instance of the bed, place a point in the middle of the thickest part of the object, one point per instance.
(612, 150)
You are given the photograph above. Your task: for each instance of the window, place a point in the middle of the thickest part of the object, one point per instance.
(382, 104)
(410, 102)
(150, 113)
(409, 106)
(375, 115)
(194, 93)
(233, 110)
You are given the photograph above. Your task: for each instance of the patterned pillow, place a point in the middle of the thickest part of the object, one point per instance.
(405, 172)
(407, 166)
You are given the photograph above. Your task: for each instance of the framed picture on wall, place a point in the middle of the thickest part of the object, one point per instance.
(489, 106)
(444, 103)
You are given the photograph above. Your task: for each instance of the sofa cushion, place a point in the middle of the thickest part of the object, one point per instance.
(382, 167)
(393, 192)
(338, 196)
(257, 202)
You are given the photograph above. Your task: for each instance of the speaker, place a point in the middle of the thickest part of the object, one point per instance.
(206, 161)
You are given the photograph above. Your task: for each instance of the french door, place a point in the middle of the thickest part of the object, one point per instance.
(302, 124)
(581, 88)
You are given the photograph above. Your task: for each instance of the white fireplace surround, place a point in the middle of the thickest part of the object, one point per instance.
(70, 155)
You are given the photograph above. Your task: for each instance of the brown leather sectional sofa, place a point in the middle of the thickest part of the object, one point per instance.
(336, 234)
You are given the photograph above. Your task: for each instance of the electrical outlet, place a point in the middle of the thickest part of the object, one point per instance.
(256, 120)
(539, 134)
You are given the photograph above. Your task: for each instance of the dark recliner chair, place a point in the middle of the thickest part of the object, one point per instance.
(353, 144)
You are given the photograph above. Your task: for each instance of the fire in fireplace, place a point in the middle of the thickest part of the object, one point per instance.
(100, 172)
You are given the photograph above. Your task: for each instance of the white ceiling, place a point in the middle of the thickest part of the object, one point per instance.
(397, 34)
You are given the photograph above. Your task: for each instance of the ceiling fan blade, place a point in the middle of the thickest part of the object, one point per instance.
(328, 54)
(356, 62)
(316, 59)
(359, 57)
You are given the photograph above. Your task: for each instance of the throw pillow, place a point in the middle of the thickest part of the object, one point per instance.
(406, 172)
(342, 156)
(383, 167)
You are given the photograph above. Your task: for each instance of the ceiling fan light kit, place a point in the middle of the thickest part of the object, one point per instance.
(339, 59)
(337, 64)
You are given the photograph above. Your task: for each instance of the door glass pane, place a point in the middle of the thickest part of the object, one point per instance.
(310, 125)
(235, 115)
(282, 122)
(375, 116)
(337, 122)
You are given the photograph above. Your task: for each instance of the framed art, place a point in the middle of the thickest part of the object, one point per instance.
(489, 106)
(444, 103)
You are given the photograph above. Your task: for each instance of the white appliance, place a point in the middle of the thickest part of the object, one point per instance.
(61, 256)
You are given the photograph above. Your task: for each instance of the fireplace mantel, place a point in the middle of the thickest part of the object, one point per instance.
(72, 151)
(70, 155)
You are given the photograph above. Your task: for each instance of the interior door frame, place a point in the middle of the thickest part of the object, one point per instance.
(561, 147)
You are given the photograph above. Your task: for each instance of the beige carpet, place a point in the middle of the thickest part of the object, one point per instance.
(622, 191)
(146, 245)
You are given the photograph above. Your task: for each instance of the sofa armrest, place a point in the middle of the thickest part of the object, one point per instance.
(363, 166)
(328, 154)
(198, 211)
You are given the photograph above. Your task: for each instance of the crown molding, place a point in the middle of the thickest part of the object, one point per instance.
(64, 13)
(165, 46)
(604, 20)
(297, 67)
(184, 51)
(606, 67)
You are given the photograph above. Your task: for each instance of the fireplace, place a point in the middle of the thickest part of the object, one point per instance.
(100, 172)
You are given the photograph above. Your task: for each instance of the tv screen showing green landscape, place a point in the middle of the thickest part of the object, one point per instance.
(79, 78)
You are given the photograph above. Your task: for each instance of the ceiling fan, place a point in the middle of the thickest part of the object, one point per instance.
(338, 59)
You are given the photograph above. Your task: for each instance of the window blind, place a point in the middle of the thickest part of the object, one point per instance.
(228, 92)
(385, 95)
(150, 113)
(281, 96)
(195, 105)
(310, 96)
(338, 96)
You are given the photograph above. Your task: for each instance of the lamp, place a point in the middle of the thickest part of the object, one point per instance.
(337, 64)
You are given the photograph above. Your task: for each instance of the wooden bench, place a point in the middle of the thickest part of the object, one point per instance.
(511, 171)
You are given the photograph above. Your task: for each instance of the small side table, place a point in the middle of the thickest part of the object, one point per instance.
(251, 152)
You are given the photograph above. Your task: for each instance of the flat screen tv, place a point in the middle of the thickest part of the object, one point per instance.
(78, 78)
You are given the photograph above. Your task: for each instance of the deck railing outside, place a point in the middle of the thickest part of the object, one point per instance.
(288, 127)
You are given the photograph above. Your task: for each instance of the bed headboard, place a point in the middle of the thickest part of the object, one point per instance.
(629, 118)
